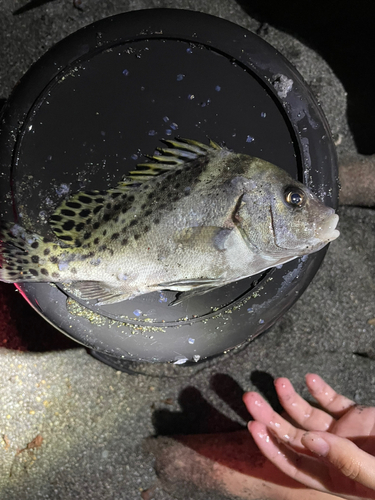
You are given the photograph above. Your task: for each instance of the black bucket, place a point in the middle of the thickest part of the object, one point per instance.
(87, 111)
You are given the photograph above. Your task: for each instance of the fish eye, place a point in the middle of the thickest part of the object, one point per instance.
(294, 197)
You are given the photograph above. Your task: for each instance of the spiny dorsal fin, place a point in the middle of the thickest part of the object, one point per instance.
(194, 146)
(77, 216)
(178, 152)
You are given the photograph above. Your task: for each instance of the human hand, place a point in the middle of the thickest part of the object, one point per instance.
(335, 456)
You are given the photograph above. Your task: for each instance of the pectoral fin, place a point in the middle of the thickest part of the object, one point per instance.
(207, 236)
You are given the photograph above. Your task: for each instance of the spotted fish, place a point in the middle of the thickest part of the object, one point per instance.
(193, 218)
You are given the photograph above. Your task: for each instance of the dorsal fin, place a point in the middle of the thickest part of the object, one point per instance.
(178, 152)
(77, 216)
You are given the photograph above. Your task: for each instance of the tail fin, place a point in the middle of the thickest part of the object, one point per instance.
(23, 255)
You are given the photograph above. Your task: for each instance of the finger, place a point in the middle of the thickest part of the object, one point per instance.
(358, 425)
(305, 469)
(350, 460)
(262, 412)
(301, 411)
(328, 398)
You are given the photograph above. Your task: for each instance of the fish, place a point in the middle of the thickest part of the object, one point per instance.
(192, 218)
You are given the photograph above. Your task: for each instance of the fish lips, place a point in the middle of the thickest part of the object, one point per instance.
(326, 231)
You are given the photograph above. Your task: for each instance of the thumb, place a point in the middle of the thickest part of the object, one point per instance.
(343, 454)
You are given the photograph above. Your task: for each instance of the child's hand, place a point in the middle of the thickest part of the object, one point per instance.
(336, 455)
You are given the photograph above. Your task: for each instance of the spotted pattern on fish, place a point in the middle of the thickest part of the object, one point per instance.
(193, 218)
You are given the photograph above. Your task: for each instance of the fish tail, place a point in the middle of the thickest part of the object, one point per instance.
(25, 256)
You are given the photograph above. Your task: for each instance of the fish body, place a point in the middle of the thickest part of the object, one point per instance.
(194, 218)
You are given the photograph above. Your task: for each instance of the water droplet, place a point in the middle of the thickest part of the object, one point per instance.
(191, 97)
(249, 138)
(168, 131)
(196, 357)
(261, 321)
(250, 310)
(137, 312)
(217, 88)
(151, 132)
(165, 119)
(174, 126)
(125, 72)
(180, 77)
(134, 157)
(191, 341)
(62, 189)
(189, 50)
(162, 298)
(180, 361)
(63, 266)
(263, 114)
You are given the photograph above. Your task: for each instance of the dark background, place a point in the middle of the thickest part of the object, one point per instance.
(342, 32)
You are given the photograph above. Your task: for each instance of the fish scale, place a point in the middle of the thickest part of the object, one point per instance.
(194, 218)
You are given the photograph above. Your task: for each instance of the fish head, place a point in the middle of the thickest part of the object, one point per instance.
(281, 218)
(301, 222)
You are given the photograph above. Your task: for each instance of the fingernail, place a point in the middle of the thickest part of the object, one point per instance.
(316, 444)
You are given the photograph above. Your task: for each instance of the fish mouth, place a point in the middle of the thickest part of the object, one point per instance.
(327, 231)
